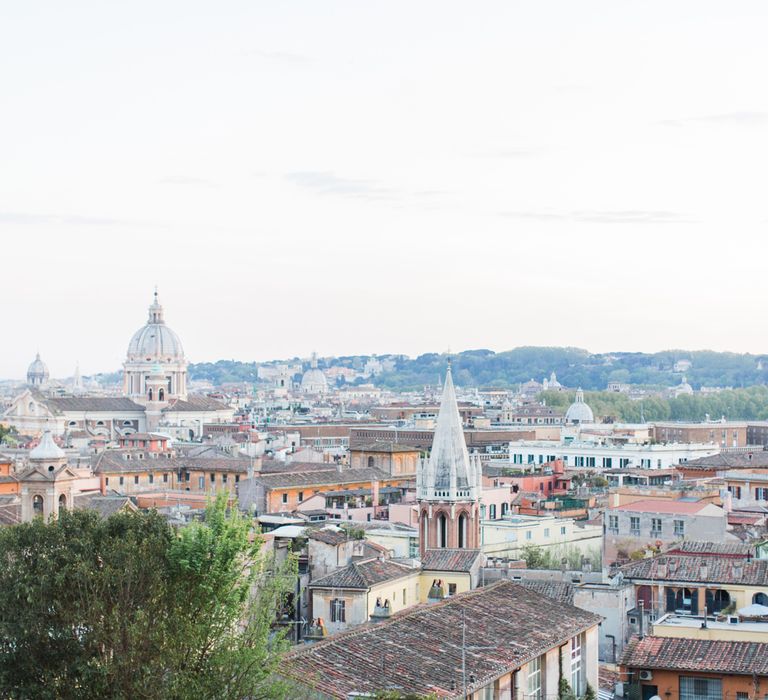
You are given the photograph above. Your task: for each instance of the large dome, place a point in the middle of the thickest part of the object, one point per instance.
(578, 411)
(155, 341)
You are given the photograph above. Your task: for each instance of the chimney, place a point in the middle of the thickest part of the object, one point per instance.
(103, 484)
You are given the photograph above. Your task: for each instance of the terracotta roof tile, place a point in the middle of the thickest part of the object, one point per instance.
(706, 655)
(364, 574)
(419, 650)
(449, 559)
(699, 569)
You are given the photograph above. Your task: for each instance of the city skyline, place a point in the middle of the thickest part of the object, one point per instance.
(370, 179)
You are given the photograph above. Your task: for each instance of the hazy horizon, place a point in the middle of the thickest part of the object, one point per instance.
(358, 178)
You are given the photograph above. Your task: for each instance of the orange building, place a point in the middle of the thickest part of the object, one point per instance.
(9, 484)
(692, 669)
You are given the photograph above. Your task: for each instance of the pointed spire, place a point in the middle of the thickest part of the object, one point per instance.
(449, 459)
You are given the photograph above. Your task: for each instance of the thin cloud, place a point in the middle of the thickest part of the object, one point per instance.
(30, 219)
(186, 180)
(285, 57)
(619, 216)
(326, 182)
(726, 119)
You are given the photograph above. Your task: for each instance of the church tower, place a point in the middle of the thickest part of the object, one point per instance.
(448, 484)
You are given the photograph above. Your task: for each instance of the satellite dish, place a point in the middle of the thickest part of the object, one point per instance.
(654, 697)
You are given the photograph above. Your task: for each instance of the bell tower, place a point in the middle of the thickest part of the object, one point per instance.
(448, 483)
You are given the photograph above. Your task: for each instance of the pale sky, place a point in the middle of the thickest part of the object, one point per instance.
(371, 177)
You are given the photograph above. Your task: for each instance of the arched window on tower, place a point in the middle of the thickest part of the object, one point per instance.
(425, 529)
(370, 462)
(37, 505)
(149, 395)
(161, 395)
(462, 531)
(442, 531)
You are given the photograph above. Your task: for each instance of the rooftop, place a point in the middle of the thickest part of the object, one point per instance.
(698, 569)
(450, 559)
(706, 655)
(667, 506)
(420, 649)
(362, 575)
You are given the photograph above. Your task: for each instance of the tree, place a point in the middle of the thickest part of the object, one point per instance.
(124, 608)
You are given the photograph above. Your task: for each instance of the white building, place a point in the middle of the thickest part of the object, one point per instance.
(607, 456)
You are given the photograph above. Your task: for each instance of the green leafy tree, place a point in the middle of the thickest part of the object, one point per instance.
(124, 608)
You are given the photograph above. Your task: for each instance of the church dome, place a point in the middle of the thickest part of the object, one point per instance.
(578, 411)
(47, 449)
(313, 381)
(37, 372)
(155, 341)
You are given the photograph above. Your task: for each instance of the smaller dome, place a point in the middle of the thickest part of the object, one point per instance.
(313, 381)
(38, 370)
(578, 411)
(47, 449)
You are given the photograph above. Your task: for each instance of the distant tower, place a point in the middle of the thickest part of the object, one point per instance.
(37, 374)
(448, 484)
(77, 380)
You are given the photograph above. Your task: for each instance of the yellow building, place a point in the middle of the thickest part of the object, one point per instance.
(455, 571)
(372, 588)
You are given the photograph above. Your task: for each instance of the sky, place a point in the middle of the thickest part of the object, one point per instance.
(372, 177)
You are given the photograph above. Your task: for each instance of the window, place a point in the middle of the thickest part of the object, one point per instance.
(413, 547)
(285, 498)
(106, 481)
(562, 529)
(201, 482)
(237, 478)
(223, 478)
(451, 589)
(338, 610)
(546, 532)
(404, 597)
(613, 524)
(151, 478)
(576, 671)
(213, 478)
(700, 688)
(121, 480)
(528, 535)
(634, 525)
(301, 496)
(534, 679)
(136, 479)
(679, 528)
(492, 511)
(761, 494)
(165, 478)
(655, 526)
(186, 476)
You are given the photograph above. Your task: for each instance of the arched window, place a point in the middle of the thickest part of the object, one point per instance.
(442, 531)
(717, 600)
(62, 501)
(686, 601)
(161, 395)
(424, 529)
(37, 505)
(760, 599)
(462, 530)
(370, 462)
(150, 394)
(645, 596)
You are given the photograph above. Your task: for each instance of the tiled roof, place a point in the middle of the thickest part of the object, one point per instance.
(699, 569)
(364, 574)
(383, 446)
(328, 535)
(561, 591)
(104, 505)
(274, 466)
(321, 478)
(419, 650)
(196, 402)
(449, 559)
(706, 655)
(10, 509)
(114, 461)
(92, 404)
(733, 549)
(724, 460)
